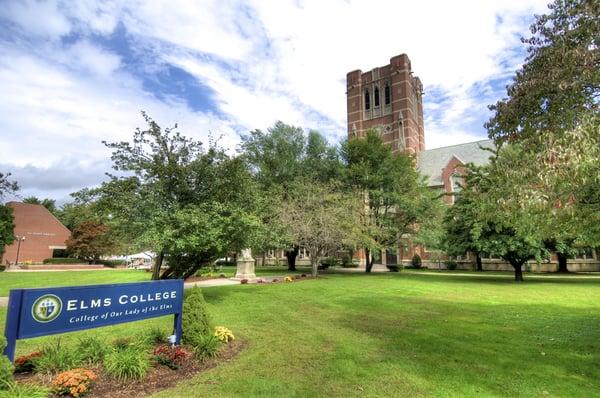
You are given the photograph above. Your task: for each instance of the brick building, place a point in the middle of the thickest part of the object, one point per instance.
(389, 100)
(42, 233)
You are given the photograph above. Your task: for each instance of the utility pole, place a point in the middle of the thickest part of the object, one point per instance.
(19, 240)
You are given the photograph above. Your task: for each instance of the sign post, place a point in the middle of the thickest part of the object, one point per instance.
(46, 311)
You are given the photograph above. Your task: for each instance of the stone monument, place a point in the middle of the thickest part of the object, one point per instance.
(245, 266)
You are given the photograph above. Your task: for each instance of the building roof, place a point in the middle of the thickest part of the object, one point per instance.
(431, 162)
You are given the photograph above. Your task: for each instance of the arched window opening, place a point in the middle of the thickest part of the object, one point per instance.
(367, 100)
(376, 96)
(387, 94)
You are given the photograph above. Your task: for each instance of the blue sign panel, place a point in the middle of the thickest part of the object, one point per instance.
(40, 312)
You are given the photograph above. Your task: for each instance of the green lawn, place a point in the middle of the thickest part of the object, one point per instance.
(14, 280)
(404, 334)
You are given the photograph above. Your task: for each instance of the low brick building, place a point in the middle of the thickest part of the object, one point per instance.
(38, 232)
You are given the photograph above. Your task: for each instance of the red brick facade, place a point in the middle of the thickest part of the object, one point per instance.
(42, 232)
(388, 99)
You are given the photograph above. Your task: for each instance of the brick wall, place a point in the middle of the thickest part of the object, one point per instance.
(41, 230)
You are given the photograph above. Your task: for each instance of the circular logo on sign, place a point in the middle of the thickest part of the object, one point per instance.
(46, 308)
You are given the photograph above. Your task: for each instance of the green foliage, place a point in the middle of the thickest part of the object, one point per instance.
(322, 218)
(62, 260)
(92, 349)
(49, 204)
(156, 335)
(25, 390)
(6, 368)
(416, 261)
(127, 364)
(395, 268)
(7, 227)
(124, 343)
(397, 197)
(196, 321)
(57, 357)
(206, 346)
(7, 186)
(451, 265)
(560, 79)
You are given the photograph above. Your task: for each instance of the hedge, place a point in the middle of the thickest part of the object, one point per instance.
(63, 260)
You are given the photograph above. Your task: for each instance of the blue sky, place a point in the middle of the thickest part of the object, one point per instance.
(75, 73)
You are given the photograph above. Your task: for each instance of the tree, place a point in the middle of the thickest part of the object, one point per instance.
(91, 240)
(279, 158)
(396, 196)
(496, 225)
(189, 205)
(7, 186)
(560, 79)
(322, 219)
(49, 204)
(459, 223)
(7, 228)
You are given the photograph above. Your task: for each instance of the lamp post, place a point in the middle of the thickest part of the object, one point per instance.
(19, 240)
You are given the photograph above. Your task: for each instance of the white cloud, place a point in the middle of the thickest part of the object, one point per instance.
(264, 60)
(38, 18)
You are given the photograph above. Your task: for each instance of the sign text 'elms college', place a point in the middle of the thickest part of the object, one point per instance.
(40, 312)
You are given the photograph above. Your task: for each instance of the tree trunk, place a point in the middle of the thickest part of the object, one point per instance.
(291, 256)
(478, 261)
(157, 265)
(562, 262)
(314, 266)
(368, 260)
(518, 271)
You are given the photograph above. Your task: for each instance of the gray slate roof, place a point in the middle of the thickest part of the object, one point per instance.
(432, 161)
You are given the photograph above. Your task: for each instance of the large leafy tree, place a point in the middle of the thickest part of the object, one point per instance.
(551, 118)
(396, 196)
(560, 79)
(189, 205)
(280, 157)
(322, 218)
(497, 224)
(7, 226)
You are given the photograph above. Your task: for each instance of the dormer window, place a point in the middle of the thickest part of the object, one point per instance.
(387, 93)
(367, 100)
(376, 95)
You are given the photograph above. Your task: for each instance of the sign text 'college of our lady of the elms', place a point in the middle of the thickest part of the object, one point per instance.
(45, 311)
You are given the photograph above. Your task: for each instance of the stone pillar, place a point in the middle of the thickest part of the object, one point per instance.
(245, 266)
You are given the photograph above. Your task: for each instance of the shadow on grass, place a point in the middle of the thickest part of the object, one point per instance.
(485, 349)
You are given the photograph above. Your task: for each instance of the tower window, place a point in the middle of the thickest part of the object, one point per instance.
(376, 95)
(367, 100)
(387, 93)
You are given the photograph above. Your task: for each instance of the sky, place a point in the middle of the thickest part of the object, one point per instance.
(75, 73)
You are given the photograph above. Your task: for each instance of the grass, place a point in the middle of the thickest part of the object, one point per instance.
(14, 280)
(405, 334)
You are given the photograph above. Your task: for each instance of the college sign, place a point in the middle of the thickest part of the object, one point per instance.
(40, 312)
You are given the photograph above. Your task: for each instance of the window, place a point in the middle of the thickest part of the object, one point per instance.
(367, 100)
(387, 93)
(457, 182)
(585, 254)
(376, 95)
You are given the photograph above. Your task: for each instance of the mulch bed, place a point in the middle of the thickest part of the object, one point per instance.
(158, 378)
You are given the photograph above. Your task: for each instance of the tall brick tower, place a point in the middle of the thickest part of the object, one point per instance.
(387, 99)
